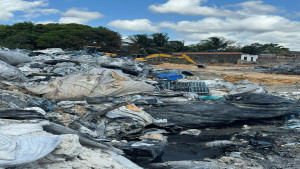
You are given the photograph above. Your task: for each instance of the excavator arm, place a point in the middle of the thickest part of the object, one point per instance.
(186, 57)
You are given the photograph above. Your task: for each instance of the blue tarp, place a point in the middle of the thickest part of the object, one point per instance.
(170, 76)
(217, 98)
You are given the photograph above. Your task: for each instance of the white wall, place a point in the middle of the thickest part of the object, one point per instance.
(249, 58)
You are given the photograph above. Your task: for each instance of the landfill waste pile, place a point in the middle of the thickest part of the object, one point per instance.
(73, 109)
(288, 69)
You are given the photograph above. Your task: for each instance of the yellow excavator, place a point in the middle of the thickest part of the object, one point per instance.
(161, 57)
(110, 54)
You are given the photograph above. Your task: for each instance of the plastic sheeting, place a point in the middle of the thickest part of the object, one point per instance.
(170, 76)
(10, 73)
(14, 58)
(97, 83)
(26, 149)
(239, 87)
(244, 106)
(247, 86)
(127, 65)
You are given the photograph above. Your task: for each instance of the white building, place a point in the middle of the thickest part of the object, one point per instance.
(250, 58)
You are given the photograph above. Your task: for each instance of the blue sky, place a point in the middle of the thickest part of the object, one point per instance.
(243, 21)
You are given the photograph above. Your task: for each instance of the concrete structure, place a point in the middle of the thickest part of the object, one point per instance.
(213, 57)
(294, 56)
(249, 58)
(267, 56)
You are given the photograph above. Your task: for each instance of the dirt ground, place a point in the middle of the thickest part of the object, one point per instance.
(235, 73)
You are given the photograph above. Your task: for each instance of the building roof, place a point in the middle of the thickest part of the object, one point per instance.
(293, 53)
(209, 53)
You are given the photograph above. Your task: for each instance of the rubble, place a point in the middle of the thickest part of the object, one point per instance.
(288, 69)
(84, 110)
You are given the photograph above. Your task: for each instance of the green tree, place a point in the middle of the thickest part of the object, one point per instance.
(176, 46)
(160, 39)
(214, 43)
(257, 48)
(29, 36)
(274, 48)
(253, 49)
(142, 40)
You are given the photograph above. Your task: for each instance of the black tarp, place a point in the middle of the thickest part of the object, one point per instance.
(244, 106)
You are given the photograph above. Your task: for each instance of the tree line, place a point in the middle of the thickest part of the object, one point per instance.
(27, 35)
(159, 43)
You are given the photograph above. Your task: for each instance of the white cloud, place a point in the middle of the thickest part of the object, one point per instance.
(38, 12)
(256, 28)
(188, 7)
(79, 16)
(255, 23)
(248, 22)
(29, 8)
(45, 22)
(143, 25)
(256, 7)
(296, 14)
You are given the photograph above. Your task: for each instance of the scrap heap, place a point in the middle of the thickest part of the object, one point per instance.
(62, 109)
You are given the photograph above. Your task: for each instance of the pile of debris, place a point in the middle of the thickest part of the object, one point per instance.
(62, 109)
(287, 69)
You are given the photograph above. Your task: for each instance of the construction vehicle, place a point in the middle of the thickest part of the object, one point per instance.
(159, 58)
(110, 54)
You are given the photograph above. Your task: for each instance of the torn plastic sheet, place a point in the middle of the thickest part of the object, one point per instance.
(244, 106)
(96, 83)
(112, 120)
(10, 73)
(13, 99)
(26, 149)
(14, 58)
(127, 65)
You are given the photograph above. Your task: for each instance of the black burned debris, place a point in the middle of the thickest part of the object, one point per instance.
(85, 109)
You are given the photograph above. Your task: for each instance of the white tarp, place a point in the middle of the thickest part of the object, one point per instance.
(14, 58)
(10, 73)
(50, 51)
(19, 145)
(26, 149)
(95, 83)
